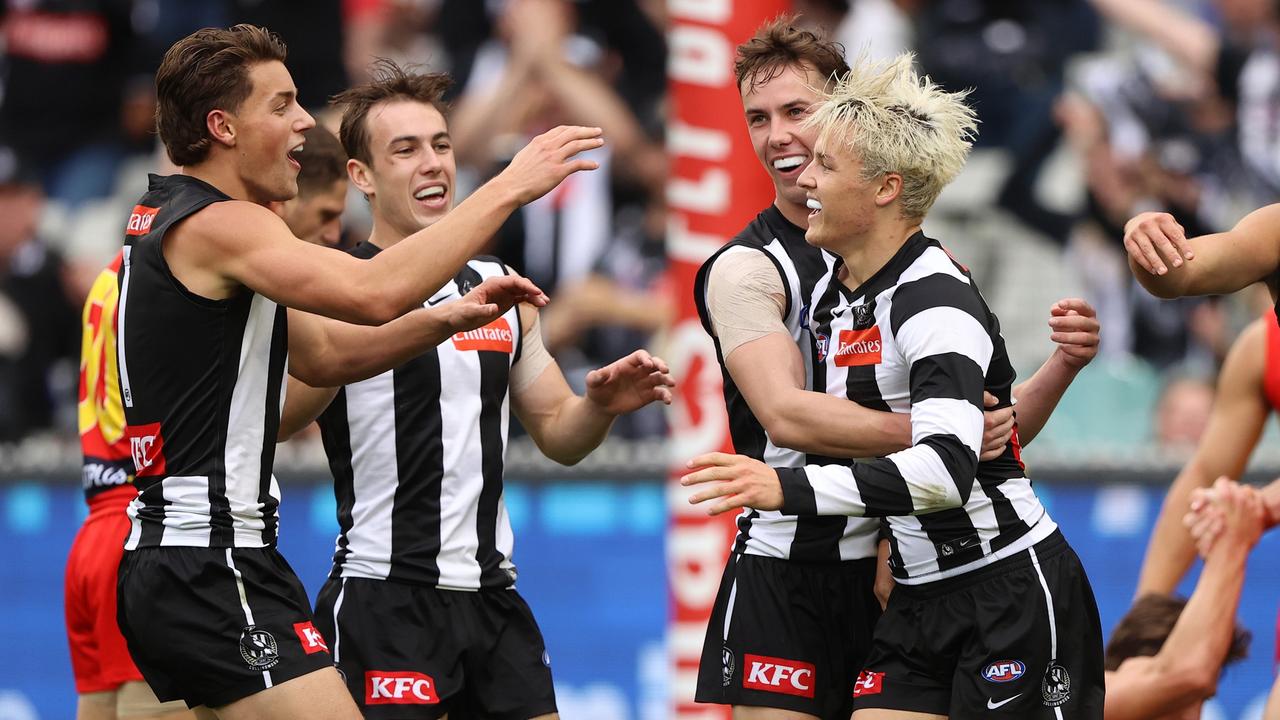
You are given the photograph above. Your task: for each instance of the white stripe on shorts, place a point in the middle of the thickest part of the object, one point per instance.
(1053, 623)
(244, 603)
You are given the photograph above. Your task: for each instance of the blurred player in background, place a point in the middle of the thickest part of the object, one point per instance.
(315, 214)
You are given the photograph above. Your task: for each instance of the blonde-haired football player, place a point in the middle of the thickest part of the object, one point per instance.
(992, 613)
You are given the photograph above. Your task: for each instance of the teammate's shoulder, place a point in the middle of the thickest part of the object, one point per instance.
(741, 264)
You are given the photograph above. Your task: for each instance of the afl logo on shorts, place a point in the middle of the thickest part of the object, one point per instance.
(1056, 687)
(1003, 671)
(258, 648)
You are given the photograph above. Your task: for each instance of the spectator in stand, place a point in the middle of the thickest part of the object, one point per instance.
(39, 322)
(1238, 64)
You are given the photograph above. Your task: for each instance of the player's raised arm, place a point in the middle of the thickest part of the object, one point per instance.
(251, 246)
(1169, 264)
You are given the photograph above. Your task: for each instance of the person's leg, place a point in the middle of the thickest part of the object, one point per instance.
(742, 712)
(318, 695)
(96, 705)
(881, 714)
(136, 701)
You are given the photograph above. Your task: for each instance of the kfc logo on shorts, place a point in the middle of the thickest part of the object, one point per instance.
(869, 683)
(140, 220)
(312, 640)
(384, 687)
(777, 675)
(495, 337)
(859, 347)
(146, 444)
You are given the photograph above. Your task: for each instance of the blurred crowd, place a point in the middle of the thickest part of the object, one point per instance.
(1095, 110)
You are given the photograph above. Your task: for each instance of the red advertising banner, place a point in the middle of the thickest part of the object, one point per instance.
(716, 187)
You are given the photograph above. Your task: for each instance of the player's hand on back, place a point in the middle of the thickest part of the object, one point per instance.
(550, 158)
(487, 302)
(1074, 327)
(1156, 242)
(629, 384)
(997, 428)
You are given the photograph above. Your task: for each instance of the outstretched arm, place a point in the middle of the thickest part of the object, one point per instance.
(233, 244)
(1236, 422)
(1187, 667)
(1074, 325)
(1169, 264)
(566, 427)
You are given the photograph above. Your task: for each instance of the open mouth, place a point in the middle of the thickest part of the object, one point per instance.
(814, 206)
(790, 165)
(290, 155)
(431, 196)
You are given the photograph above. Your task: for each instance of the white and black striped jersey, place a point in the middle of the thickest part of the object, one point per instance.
(917, 337)
(201, 383)
(768, 532)
(417, 457)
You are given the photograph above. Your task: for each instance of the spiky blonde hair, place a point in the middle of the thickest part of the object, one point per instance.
(898, 121)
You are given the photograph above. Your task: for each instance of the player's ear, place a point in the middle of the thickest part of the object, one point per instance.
(360, 176)
(889, 190)
(221, 127)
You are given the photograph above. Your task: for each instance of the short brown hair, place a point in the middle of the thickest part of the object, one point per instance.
(323, 161)
(390, 82)
(206, 71)
(781, 43)
(1143, 630)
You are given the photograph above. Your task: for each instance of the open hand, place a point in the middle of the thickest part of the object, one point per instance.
(739, 480)
(489, 300)
(550, 158)
(629, 384)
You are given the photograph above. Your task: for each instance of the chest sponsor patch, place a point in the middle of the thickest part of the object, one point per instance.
(494, 337)
(859, 347)
(387, 687)
(140, 220)
(778, 675)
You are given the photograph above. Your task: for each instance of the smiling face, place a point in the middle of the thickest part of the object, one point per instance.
(842, 205)
(269, 127)
(411, 178)
(774, 112)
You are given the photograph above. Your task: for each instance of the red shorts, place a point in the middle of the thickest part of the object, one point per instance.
(99, 657)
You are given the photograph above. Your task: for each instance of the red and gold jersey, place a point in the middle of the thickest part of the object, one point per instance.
(108, 463)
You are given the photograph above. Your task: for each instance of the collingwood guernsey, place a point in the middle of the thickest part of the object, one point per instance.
(200, 381)
(417, 457)
(917, 337)
(766, 532)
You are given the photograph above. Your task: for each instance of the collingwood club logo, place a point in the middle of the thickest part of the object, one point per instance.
(258, 648)
(1056, 687)
(726, 657)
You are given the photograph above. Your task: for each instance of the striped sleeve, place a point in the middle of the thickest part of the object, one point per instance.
(939, 324)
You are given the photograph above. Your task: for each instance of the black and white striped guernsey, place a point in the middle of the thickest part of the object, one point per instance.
(767, 532)
(917, 337)
(417, 457)
(201, 384)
